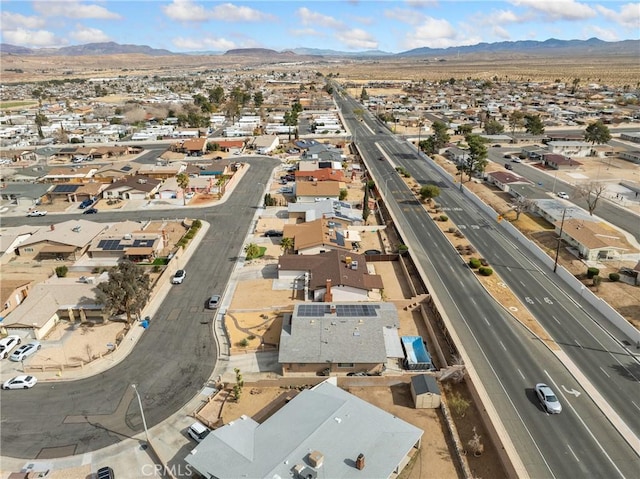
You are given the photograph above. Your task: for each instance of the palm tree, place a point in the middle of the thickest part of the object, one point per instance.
(183, 182)
(286, 244)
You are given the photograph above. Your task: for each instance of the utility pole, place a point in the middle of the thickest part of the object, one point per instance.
(555, 263)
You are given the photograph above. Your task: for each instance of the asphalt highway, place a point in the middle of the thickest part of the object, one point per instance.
(509, 360)
(172, 361)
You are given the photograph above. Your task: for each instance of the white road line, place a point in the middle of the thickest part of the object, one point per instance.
(636, 406)
(523, 285)
(574, 454)
(488, 323)
(501, 344)
(584, 425)
(604, 372)
(555, 319)
(576, 341)
(521, 375)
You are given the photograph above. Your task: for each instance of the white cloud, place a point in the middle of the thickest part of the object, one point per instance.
(556, 10)
(216, 44)
(307, 17)
(185, 11)
(309, 32)
(16, 20)
(233, 13)
(601, 33)
(188, 11)
(74, 9)
(432, 33)
(422, 3)
(30, 38)
(628, 16)
(88, 35)
(501, 32)
(357, 39)
(405, 16)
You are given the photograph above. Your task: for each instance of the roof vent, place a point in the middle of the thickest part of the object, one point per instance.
(316, 459)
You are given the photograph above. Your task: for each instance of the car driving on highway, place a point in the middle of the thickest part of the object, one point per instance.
(548, 399)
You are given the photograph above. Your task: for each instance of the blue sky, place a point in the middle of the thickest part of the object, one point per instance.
(344, 25)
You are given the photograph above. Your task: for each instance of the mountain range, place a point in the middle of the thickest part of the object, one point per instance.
(592, 46)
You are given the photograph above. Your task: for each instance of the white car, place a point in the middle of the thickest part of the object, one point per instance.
(7, 344)
(36, 213)
(548, 399)
(25, 351)
(178, 277)
(190, 195)
(198, 431)
(563, 195)
(20, 382)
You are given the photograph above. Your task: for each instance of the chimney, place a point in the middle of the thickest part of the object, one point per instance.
(328, 296)
(360, 462)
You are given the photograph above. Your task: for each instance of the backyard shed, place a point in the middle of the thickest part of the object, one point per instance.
(425, 392)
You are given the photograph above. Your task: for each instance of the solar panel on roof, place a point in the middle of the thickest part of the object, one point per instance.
(65, 188)
(342, 310)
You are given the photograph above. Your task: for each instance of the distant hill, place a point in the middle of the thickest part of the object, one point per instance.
(106, 48)
(552, 45)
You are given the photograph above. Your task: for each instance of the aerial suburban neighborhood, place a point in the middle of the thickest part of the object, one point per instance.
(284, 265)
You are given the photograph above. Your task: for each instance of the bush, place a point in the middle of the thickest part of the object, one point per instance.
(591, 272)
(452, 229)
(197, 224)
(484, 262)
(485, 271)
(474, 263)
(614, 277)
(444, 217)
(61, 271)
(243, 343)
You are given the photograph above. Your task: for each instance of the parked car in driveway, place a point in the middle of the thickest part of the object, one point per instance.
(198, 431)
(273, 233)
(25, 351)
(7, 344)
(178, 277)
(85, 204)
(20, 382)
(36, 213)
(548, 399)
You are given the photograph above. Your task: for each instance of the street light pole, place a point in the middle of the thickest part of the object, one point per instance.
(144, 421)
(555, 263)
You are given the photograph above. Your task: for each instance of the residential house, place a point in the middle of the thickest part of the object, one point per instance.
(162, 172)
(595, 241)
(560, 162)
(504, 179)
(192, 146)
(311, 191)
(28, 194)
(74, 192)
(134, 246)
(69, 174)
(579, 149)
(324, 174)
(339, 338)
(12, 293)
(137, 187)
(11, 237)
(265, 144)
(67, 240)
(321, 235)
(325, 209)
(331, 276)
(329, 433)
(52, 301)
(115, 171)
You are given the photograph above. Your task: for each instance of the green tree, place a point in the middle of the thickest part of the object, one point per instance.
(216, 95)
(127, 290)
(493, 127)
(516, 121)
(291, 118)
(286, 244)
(343, 194)
(183, 183)
(476, 160)
(597, 133)
(364, 95)
(428, 192)
(252, 250)
(465, 129)
(258, 99)
(533, 124)
(438, 140)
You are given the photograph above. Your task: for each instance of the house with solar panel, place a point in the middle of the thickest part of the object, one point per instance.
(339, 338)
(136, 247)
(322, 235)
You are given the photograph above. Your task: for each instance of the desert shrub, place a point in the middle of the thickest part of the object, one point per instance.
(197, 224)
(61, 271)
(596, 280)
(459, 234)
(474, 263)
(485, 271)
(484, 262)
(452, 229)
(251, 337)
(470, 249)
(614, 277)
(444, 217)
(591, 272)
(243, 343)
